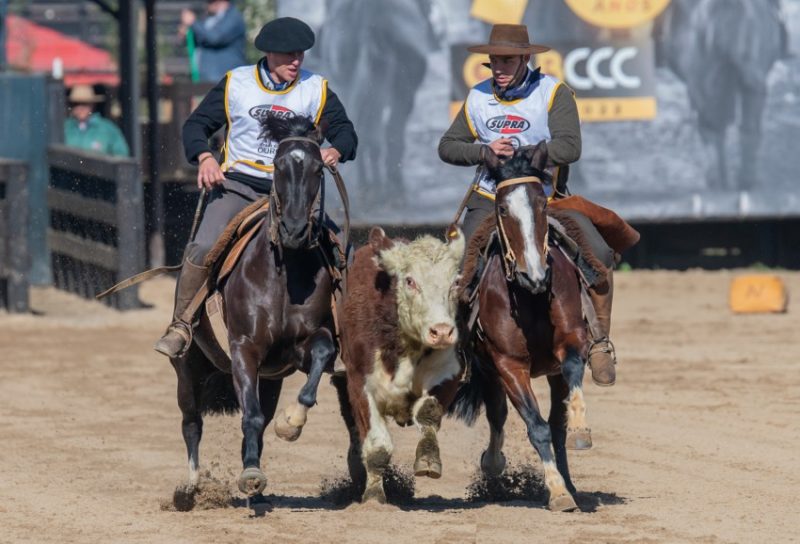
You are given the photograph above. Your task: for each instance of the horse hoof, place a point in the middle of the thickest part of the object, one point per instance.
(183, 498)
(432, 468)
(492, 470)
(252, 481)
(579, 439)
(286, 430)
(562, 503)
(374, 493)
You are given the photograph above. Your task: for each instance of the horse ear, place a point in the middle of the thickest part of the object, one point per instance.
(537, 155)
(319, 132)
(490, 159)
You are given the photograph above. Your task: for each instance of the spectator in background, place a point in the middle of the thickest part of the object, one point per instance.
(219, 39)
(87, 129)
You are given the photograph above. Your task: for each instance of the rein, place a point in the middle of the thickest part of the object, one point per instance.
(509, 258)
(275, 205)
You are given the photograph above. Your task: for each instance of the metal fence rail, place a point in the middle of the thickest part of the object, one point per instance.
(14, 257)
(96, 234)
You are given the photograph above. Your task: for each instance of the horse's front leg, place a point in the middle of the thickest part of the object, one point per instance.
(245, 358)
(493, 462)
(320, 351)
(579, 435)
(516, 379)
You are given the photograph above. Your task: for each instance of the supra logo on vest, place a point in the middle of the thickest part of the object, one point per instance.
(508, 124)
(260, 112)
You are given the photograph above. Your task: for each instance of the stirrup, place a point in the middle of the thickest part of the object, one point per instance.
(602, 345)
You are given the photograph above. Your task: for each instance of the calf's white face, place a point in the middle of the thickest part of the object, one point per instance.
(426, 271)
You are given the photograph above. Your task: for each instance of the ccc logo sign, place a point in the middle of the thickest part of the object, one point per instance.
(601, 69)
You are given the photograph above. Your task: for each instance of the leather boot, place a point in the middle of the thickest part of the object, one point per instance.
(176, 340)
(602, 356)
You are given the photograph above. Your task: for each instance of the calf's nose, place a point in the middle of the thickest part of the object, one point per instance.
(441, 335)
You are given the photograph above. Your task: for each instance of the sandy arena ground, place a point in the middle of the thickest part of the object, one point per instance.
(698, 441)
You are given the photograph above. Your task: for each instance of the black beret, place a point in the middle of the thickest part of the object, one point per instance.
(285, 35)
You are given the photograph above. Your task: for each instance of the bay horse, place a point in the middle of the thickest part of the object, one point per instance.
(277, 309)
(530, 324)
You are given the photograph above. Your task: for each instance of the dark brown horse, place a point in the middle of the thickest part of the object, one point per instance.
(529, 324)
(277, 308)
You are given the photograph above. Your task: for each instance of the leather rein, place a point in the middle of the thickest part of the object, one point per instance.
(275, 204)
(509, 257)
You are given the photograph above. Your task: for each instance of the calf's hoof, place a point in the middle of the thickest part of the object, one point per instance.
(284, 429)
(562, 503)
(494, 467)
(579, 439)
(252, 481)
(374, 493)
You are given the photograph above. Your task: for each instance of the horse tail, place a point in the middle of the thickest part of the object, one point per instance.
(218, 395)
(469, 398)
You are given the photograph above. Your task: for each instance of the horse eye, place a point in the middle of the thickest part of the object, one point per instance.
(411, 284)
(502, 210)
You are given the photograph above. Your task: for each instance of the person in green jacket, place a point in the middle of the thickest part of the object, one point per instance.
(87, 129)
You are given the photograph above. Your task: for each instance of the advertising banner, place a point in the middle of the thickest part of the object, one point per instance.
(688, 107)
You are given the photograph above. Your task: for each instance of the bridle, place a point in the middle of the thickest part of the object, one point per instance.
(509, 257)
(275, 208)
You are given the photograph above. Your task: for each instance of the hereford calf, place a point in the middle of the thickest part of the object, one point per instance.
(399, 334)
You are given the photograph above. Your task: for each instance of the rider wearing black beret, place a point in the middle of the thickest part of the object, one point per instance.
(275, 85)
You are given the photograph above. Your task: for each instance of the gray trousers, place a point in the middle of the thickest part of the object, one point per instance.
(480, 207)
(222, 204)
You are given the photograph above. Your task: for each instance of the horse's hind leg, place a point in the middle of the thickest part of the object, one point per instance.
(321, 350)
(189, 395)
(516, 380)
(269, 391)
(493, 462)
(579, 435)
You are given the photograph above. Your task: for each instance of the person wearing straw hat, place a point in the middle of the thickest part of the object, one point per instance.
(520, 106)
(275, 84)
(87, 129)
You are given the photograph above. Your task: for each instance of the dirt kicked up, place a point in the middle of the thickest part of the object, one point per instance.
(697, 442)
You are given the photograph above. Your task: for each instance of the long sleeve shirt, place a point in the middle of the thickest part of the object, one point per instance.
(210, 117)
(457, 146)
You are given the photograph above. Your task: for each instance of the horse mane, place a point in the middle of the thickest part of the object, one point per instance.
(276, 127)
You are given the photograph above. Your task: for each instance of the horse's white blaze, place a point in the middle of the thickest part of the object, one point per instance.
(520, 208)
(297, 154)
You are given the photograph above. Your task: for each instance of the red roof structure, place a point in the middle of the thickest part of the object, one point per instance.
(33, 48)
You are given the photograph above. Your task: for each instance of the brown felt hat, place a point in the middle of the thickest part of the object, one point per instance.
(509, 40)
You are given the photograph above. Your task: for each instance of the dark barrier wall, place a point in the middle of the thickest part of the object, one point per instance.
(689, 107)
(96, 233)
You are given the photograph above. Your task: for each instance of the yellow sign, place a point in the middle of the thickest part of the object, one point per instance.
(499, 11)
(474, 71)
(636, 108)
(617, 13)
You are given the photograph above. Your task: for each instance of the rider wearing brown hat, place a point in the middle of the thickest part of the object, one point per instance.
(521, 106)
(276, 85)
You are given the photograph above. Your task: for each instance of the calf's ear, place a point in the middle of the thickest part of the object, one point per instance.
(456, 242)
(378, 240)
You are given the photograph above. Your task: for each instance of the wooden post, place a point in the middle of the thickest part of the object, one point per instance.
(130, 230)
(18, 257)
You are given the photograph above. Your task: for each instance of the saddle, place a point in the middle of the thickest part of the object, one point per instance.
(230, 246)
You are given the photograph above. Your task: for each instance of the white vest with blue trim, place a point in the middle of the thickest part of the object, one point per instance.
(247, 100)
(523, 120)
